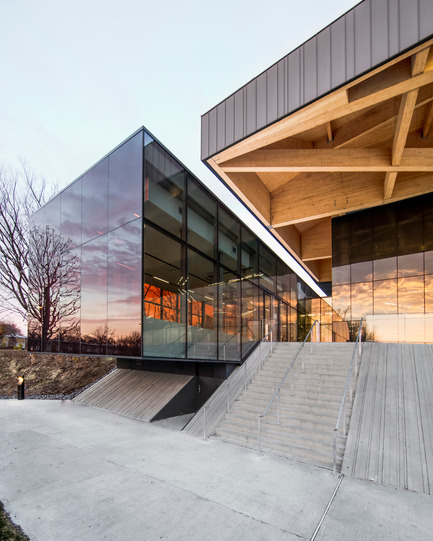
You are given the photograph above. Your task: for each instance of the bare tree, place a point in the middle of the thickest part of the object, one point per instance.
(8, 327)
(53, 285)
(21, 194)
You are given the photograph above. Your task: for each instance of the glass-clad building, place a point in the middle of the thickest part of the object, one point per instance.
(147, 264)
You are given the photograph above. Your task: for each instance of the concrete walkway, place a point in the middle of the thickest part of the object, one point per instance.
(69, 471)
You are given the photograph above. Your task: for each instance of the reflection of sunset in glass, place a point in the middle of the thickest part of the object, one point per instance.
(394, 308)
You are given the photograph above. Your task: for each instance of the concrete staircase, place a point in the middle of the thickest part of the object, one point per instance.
(308, 410)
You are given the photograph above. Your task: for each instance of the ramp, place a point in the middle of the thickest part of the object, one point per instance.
(136, 393)
(391, 434)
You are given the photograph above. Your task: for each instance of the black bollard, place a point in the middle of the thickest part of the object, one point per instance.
(20, 388)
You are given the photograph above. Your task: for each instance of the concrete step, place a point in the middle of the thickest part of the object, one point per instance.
(267, 391)
(299, 387)
(246, 417)
(317, 414)
(284, 430)
(283, 437)
(294, 451)
(299, 398)
(327, 395)
(311, 359)
(316, 379)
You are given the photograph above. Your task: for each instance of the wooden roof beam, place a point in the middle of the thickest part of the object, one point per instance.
(404, 119)
(316, 242)
(311, 196)
(331, 161)
(379, 117)
(318, 113)
(329, 132)
(390, 179)
(428, 121)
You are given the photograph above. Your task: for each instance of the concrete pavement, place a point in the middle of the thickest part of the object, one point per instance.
(69, 471)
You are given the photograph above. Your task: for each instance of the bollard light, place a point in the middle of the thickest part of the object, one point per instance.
(20, 388)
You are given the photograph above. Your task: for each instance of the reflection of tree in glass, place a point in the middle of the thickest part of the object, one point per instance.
(101, 336)
(353, 325)
(131, 341)
(54, 289)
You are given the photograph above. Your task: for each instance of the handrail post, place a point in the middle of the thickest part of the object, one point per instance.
(334, 446)
(228, 397)
(344, 418)
(259, 435)
(279, 422)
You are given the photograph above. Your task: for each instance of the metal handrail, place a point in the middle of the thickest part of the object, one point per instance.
(227, 385)
(277, 392)
(356, 354)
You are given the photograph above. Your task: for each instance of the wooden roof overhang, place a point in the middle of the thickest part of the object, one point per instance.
(367, 143)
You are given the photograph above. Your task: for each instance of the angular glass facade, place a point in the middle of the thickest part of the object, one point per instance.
(159, 269)
(383, 270)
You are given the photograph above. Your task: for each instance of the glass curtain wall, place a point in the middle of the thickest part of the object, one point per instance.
(210, 286)
(382, 271)
(89, 302)
(154, 266)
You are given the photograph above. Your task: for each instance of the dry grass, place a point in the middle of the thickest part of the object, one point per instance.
(49, 375)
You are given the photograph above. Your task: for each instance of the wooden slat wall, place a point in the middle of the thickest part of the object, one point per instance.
(391, 434)
(134, 393)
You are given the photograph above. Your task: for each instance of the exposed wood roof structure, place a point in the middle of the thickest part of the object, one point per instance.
(365, 143)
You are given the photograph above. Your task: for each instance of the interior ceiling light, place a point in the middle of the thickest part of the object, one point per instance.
(161, 279)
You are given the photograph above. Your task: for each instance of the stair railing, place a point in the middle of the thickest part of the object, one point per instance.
(355, 361)
(277, 392)
(226, 386)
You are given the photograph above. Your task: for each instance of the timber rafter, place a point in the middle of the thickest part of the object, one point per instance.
(365, 144)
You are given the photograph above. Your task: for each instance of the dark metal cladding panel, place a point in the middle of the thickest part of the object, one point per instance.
(251, 112)
(261, 100)
(408, 18)
(272, 94)
(338, 52)
(281, 89)
(212, 132)
(362, 38)
(366, 36)
(379, 31)
(294, 80)
(310, 70)
(221, 125)
(230, 120)
(394, 27)
(239, 114)
(350, 45)
(425, 18)
(205, 137)
(324, 61)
